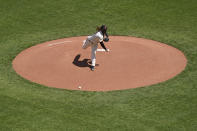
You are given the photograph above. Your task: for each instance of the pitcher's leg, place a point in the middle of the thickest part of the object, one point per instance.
(93, 55)
(86, 44)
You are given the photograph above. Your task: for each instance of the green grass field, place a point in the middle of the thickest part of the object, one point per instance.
(168, 106)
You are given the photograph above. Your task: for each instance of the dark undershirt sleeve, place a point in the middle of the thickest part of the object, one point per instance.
(106, 34)
(103, 46)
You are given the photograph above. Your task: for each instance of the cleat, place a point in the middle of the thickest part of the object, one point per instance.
(92, 68)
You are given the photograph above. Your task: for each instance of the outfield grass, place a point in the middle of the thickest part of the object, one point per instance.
(168, 106)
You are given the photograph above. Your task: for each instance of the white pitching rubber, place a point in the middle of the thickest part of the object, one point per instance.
(102, 50)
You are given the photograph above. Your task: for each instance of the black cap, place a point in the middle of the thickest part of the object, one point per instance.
(103, 29)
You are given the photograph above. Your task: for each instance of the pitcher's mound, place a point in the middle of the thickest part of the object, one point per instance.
(132, 62)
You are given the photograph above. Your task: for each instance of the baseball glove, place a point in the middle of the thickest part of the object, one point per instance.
(106, 39)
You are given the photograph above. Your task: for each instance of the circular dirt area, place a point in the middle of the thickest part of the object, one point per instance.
(130, 63)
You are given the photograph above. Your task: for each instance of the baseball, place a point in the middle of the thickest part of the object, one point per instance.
(79, 87)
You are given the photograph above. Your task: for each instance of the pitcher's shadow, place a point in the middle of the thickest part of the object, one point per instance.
(83, 63)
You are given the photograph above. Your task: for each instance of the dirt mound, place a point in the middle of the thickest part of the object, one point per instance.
(132, 62)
